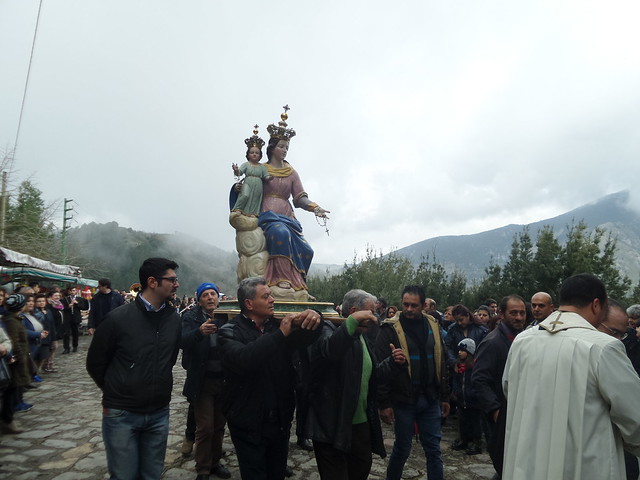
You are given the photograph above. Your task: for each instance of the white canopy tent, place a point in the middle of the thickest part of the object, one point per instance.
(16, 264)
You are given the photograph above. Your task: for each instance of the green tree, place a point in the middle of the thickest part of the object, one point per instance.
(489, 287)
(546, 267)
(378, 274)
(593, 253)
(456, 289)
(581, 250)
(635, 295)
(28, 226)
(517, 273)
(617, 285)
(433, 278)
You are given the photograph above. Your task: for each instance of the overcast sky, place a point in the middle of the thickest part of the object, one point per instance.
(414, 119)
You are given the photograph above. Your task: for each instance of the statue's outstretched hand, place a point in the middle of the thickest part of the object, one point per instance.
(321, 212)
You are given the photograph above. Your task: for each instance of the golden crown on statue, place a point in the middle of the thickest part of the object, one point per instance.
(281, 131)
(255, 140)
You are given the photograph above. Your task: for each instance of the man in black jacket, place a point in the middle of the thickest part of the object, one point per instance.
(256, 351)
(486, 379)
(72, 318)
(102, 303)
(343, 416)
(205, 384)
(131, 359)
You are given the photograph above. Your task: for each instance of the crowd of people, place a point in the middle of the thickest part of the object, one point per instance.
(35, 324)
(544, 390)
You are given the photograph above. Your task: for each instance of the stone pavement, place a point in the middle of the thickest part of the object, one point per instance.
(63, 441)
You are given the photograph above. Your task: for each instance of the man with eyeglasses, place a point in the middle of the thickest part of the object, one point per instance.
(418, 394)
(131, 359)
(568, 387)
(617, 325)
(616, 321)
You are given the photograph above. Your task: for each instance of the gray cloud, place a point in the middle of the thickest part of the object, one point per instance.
(412, 122)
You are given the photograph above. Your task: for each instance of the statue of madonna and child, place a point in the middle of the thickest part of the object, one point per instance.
(269, 238)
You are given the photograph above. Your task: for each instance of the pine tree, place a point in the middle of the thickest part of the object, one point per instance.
(546, 267)
(28, 226)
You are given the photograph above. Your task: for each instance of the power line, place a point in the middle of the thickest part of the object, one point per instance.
(26, 83)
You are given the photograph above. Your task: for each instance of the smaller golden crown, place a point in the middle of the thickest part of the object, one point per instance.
(281, 131)
(255, 140)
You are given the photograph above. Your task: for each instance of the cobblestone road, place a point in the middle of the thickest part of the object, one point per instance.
(63, 441)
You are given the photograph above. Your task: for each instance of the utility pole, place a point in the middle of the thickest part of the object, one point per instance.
(65, 227)
(3, 207)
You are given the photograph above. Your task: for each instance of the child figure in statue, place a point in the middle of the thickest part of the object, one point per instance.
(250, 196)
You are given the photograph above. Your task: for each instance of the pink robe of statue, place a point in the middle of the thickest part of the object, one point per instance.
(276, 199)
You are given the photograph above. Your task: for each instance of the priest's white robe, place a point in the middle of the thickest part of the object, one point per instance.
(572, 400)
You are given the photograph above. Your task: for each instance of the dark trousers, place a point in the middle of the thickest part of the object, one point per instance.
(495, 446)
(262, 457)
(10, 400)
(70, 329)
(469, 422)
(631, 465)
(334, 464)
(209, 425)
(190, 430)
(302, 407)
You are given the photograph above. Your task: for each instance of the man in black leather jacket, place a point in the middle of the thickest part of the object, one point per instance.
(256, 351)
(131, 359)
(343, 416)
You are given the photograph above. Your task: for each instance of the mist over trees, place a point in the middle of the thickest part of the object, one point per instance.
(530, 268)
(108, 250)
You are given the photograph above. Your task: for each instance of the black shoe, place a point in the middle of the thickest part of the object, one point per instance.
(288, 472)
(458, 445)
(221, 471)
(305, 444)
(75, 349)
(65, 351)
(473, 449)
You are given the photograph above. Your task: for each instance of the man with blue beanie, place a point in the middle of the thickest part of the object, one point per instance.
(204, 385)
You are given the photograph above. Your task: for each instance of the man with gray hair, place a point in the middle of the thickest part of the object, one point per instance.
(256, 349)
(343, 420)
(633, 312)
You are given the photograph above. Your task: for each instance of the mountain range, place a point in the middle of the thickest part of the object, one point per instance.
(470, 254)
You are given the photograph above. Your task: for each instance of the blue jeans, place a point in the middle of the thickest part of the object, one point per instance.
(426, 413)
(135, 443)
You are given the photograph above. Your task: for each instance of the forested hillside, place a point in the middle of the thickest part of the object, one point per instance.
(108, 250)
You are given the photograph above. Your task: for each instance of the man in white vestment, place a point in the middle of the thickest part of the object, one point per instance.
(568, 388)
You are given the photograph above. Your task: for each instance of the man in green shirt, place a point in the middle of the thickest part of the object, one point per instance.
(343, 419)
